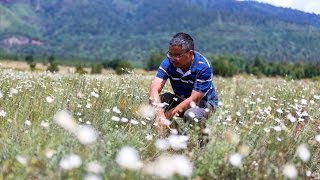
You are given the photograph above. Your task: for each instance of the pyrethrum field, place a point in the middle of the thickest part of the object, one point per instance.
(70, 126)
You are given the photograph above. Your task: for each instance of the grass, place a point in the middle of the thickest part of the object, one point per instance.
(247, 122)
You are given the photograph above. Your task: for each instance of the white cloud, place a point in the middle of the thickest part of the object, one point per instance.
(311, 6)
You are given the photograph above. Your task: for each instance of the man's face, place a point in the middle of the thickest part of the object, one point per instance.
(180, 58)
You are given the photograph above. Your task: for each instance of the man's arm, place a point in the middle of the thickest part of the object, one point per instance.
(154, 97)
(186, 104)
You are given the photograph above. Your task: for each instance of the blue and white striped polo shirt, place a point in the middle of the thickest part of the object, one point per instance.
(198, 78)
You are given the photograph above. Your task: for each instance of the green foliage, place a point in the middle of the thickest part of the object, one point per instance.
(29, 59)
(33, 66)
(133, 29)
(226, 65)
(80, 69)
(231, 65)
(153, 61)
(53, 67)
(51, 59)
(123, 67)
(111, 63)
(120, 66)
(96, 68)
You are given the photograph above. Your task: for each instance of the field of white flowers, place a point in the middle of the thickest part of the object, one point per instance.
(55, 126)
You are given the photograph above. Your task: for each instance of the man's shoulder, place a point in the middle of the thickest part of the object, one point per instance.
(166, 64)
(201, 62)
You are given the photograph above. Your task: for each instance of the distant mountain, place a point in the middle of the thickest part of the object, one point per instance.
(132, 29)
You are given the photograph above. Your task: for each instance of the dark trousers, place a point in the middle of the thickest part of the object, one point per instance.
(198, 113)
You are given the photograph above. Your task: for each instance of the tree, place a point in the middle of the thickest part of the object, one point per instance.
(96, 68)
(29, 60)
(123, 67)
(154, 60)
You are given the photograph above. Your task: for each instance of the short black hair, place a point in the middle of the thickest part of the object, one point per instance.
(182, 39)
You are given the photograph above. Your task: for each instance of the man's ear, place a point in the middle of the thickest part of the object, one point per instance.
(191, 53)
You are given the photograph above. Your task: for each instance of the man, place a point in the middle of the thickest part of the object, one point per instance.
(190, 75)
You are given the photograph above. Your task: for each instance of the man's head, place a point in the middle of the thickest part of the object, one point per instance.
(181, 49)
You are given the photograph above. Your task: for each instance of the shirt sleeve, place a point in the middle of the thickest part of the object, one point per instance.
(203, 82)
(163, 70)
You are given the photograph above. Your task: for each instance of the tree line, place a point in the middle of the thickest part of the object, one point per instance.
(230, 65)
(223, 65)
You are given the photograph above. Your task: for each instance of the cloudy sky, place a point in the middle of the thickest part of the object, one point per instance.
(312, 6)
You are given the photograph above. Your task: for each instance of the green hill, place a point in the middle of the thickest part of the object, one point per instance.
(132, 29)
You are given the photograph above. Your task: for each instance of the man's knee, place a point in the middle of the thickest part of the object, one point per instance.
(195, 115)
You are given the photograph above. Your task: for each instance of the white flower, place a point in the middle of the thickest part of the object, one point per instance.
(49, 99)
(115, 118)
(116, 110)
(303, 152)
(235, 159)
(318, 138)
(88, 105)
(304, 102)
(308, 173)
(44, 124)
(167, 165)
(123, 119)
(94, 94)
(228, 118)
(279, 111)
(3, 113)
(22, 160)
(173, 131)
(178, 142)
(291, 118)
(128, 158)
(134, 122)
(27, 122)
(92, 177)
(277, 128)
(86, 134)
(290, 171)
(70, 162)
(273, 99)
(259, 100)
(162, 144)
(149, 137)
(80, 95)
(13, 91)
(147, 111)
(305, 114)
(238, 114)
(94, 167)
(50, 153)
(316, 97)
(64, 119)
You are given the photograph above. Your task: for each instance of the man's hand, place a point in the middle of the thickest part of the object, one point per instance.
(169, 114)
(162, 124)
(161, 120)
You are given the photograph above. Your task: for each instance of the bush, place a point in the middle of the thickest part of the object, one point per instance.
(96, 68)
(80, 69)
(53, 67)
(123, 67)
(32, 66)
(153, 62)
